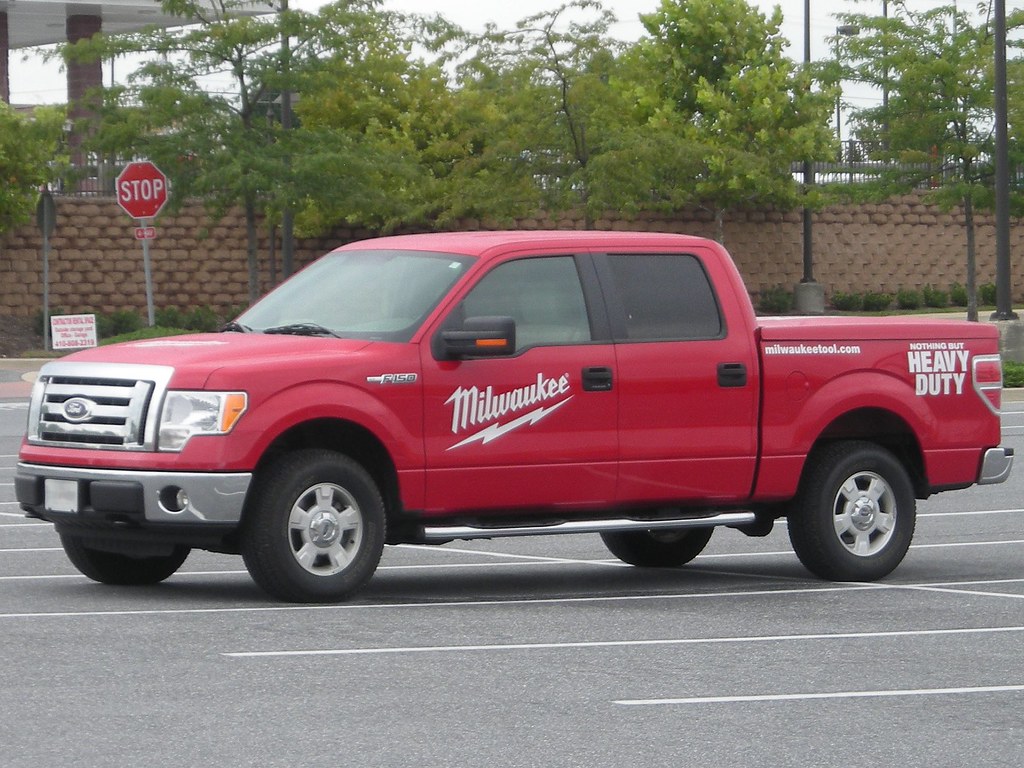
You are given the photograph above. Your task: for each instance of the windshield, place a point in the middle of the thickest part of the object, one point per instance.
(383, 295)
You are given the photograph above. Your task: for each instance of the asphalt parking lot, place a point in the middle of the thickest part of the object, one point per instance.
(527, 652)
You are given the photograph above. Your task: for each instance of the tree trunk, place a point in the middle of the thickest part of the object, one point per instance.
(252, 240)
(972, 285)
(720, 226)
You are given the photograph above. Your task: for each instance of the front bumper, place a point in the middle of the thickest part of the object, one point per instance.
(52, 492)
(995, 466)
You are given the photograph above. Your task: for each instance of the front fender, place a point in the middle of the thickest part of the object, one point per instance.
(396, 423)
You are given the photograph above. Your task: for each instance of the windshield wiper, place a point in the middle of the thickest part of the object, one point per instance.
(302, 329)
(235, 327)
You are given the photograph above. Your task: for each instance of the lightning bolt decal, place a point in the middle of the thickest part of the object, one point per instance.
(494, 431)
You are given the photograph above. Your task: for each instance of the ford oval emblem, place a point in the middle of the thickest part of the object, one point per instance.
(78, 409)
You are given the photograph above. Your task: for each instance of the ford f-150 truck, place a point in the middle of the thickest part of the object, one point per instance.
(428, 388)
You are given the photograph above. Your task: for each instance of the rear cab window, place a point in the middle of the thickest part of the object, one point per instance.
(660, 297)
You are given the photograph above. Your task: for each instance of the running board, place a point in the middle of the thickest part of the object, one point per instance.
(448, 533)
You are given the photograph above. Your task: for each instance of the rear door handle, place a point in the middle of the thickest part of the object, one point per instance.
(732, 375)
(597, 379)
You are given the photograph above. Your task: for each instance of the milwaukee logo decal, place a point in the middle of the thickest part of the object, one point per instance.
(473, 407)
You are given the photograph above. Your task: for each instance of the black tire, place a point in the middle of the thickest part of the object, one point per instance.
(659, 548)
(854, 515)
(121, 569)
(315, 528)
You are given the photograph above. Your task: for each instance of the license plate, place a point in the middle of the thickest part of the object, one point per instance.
(61, 495)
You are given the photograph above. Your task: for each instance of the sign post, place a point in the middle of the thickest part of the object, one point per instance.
(141, 192)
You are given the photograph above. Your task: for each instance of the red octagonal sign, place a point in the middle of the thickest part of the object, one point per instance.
(141, 189)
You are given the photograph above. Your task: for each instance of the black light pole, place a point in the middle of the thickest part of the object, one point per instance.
(287, 215)
(808, 168)
(809, 296)
(1004, 298)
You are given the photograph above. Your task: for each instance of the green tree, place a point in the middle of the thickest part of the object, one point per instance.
(377, 128)
(934, 128)
(207, 106)
(740, 104)
(28, 160)
(534, 107)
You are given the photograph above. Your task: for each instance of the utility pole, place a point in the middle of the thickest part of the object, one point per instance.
(809, 296)
(287, 215)
(1004, 294)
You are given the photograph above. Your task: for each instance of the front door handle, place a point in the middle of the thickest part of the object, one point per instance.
(597, 379)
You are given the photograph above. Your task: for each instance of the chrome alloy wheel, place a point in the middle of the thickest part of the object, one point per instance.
(325, 529)
(864, 513)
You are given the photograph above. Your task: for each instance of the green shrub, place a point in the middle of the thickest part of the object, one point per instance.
(908, 300)
(170, 317)
(156, 332)
(1013, 374)
(776, 300)
(934, 297)
(202, 319)
(958, 295)
(230, 313)
(116, 323)
(847, 302)
(37, 323)
(987, 294)
(876, 302)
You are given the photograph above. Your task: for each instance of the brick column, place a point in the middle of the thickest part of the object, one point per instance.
(5, 57)
(82, 77)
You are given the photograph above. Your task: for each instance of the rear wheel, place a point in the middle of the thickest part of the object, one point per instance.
(121, 568)
(315, 529)
(657, 549)
(854, 516)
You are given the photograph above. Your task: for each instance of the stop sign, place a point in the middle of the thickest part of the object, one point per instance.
(141, 189)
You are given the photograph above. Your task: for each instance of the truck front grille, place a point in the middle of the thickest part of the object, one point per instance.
(99, 405)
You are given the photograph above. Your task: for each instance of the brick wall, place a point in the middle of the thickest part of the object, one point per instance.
(96, 263)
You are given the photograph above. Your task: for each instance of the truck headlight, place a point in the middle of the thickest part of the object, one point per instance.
(186, 414)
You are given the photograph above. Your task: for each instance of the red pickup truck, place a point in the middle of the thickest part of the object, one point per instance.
(436, 387)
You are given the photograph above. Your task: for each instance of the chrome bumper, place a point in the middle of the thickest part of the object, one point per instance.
(154, 497)
(995, 466)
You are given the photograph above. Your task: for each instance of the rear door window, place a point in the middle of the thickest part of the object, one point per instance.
(662, 297)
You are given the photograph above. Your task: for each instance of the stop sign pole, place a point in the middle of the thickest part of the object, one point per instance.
(141, 190)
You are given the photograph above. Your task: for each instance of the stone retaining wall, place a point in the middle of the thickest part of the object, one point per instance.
(96, 263)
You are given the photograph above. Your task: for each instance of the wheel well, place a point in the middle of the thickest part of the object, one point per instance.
(344, 437)
(884, 428)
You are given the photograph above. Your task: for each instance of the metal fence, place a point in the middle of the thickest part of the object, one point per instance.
(856, 162)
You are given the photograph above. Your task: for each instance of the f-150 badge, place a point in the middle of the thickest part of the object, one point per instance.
(474, 407)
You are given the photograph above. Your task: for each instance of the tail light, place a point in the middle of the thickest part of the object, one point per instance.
(988, 380)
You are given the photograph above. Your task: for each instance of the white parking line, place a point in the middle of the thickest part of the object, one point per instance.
(511, 555)
(411, 649)
(812, 696)
(350, 607)
(41, 524)
(972, 513)
(825, 589)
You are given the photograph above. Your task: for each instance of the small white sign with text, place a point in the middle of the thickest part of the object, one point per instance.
(73, 331)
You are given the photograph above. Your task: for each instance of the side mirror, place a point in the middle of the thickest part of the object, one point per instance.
(480, 337)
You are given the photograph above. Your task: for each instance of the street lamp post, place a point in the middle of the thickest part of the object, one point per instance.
(809, 296)
(1004, 299)
(843, 30)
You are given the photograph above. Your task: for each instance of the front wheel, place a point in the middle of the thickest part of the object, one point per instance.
(120, 568)
(657, 549)
(315, 530)
(854, 516)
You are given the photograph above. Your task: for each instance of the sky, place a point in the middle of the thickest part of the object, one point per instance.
(34, 82)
